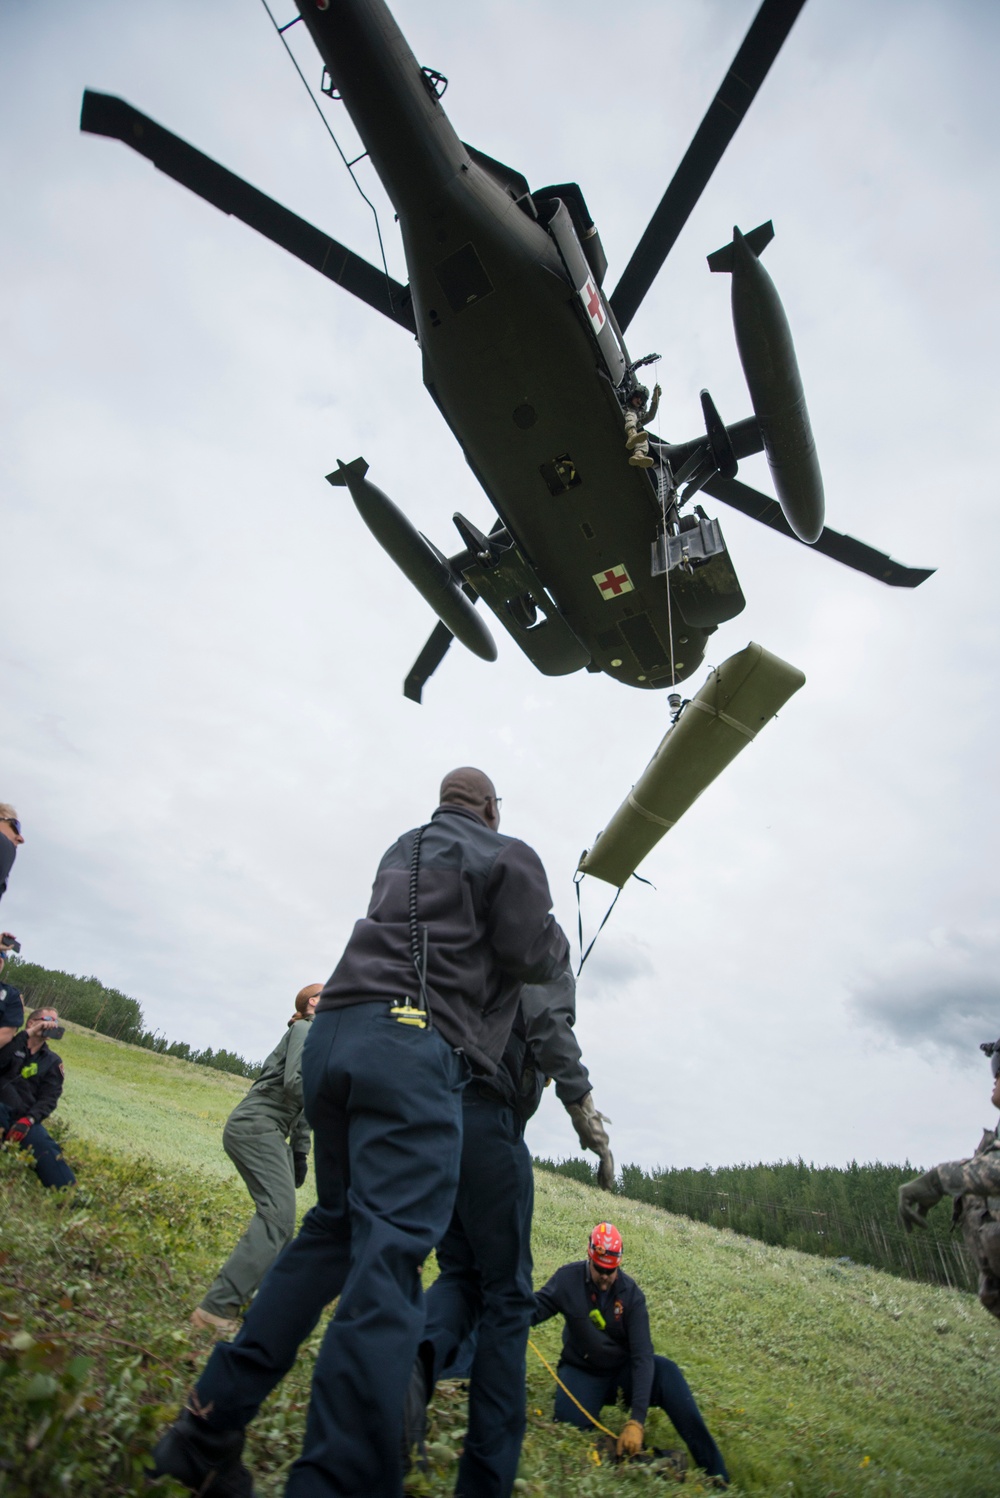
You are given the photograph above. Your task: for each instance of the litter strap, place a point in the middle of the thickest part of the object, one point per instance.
(578, 880)
(562, 1386)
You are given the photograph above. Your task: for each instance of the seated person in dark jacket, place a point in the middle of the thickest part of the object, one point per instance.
(31, 1083)
(607, 1347)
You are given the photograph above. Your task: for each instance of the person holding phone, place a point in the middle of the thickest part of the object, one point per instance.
(31, 1084)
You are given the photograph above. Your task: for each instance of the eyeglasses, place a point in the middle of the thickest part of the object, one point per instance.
(497, 801)
(13, 822)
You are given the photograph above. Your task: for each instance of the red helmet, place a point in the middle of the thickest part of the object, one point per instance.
(605, 1246)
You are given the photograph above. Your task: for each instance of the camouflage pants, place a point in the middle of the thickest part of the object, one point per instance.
(981, 1231)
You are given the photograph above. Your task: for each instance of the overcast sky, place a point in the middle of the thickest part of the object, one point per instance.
(203, 648)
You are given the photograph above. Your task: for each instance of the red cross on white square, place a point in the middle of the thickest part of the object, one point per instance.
(591, 299)
(614, 581)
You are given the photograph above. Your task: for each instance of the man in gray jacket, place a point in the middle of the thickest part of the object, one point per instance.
(267, 1138)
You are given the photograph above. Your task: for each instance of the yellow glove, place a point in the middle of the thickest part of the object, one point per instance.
(630, 1440)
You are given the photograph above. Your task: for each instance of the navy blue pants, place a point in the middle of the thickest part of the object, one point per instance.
(50, 1164)
(385, 1104)
(670, 1392)
(484, 1292)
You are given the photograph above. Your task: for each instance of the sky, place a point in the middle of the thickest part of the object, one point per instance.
(203, 648)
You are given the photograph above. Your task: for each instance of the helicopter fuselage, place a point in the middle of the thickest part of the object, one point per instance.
(513, 360)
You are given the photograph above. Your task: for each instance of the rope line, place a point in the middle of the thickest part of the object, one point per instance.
(329, 130)
(569, 1393)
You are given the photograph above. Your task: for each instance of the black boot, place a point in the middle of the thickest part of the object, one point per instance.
(204, 1460)
(415, 1417)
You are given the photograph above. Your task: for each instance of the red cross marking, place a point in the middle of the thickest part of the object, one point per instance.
(614, 582)
(593, 303)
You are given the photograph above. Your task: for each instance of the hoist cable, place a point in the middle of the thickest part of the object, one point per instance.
(329, 130)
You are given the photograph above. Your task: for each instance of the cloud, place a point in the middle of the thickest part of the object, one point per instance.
(614, 964)
(945, 998)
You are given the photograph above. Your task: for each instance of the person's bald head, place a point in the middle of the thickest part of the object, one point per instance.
(473, 791)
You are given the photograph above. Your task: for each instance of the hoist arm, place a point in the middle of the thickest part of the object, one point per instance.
(103, 114)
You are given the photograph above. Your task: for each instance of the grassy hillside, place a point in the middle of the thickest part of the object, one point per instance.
(127, 1098)
(819, 1379)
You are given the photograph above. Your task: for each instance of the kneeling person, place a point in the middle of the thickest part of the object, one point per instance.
(31, 1084)
(267, 1138)
(607, 1348)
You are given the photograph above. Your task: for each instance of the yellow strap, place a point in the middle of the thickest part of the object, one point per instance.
(569, 1394)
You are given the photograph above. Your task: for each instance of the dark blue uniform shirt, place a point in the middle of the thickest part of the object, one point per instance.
(625, 1338)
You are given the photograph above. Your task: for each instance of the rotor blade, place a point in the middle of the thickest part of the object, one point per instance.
(103, 114)
(427, 661)
(761, 46)
(846, 549)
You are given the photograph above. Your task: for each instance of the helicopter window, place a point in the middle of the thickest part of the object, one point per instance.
(560, 474)
(463, 278)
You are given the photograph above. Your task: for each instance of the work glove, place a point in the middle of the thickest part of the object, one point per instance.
(590, 1130)
(630, 1440)
(916, 1199)
(300, 1165)
(15, 1134)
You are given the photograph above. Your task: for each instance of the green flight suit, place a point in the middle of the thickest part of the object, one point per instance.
(256, 1139)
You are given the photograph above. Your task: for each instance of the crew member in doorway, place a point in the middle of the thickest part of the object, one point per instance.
(607, 1349)
(636, 416)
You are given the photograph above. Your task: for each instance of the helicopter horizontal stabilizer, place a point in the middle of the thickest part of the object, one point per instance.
(855, 554)
(739, 698)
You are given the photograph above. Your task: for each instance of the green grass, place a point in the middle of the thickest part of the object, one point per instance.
(819, 1380)
(146, 1104)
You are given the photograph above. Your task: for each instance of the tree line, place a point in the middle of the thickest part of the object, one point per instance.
(840, 1213)
(86, 1001)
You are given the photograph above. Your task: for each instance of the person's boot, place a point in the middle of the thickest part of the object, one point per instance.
(206, 1461)
(640, 460)
(634, 438)
(415, 1403)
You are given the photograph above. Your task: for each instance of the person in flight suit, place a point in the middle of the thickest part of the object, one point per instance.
(975, 1186)
(637, 414)
(267, 1138)
(480, 1305)
(607, 1347)
(31, 1084)
(426, 990)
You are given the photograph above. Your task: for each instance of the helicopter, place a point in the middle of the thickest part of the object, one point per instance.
(592, 563)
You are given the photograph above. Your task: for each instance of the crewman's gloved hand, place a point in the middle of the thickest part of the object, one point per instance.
(300, 1163)
(17, 1131)
(916, 1199)
(590, 1130)
(630, 1440)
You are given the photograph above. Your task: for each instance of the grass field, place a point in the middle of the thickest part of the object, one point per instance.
(819, 1379)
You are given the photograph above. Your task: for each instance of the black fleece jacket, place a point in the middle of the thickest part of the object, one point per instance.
(30, 1085)
(485, 902)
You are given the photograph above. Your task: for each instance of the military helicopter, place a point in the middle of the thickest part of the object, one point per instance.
(592, 563)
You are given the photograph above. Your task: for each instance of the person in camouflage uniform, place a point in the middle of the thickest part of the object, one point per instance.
(267, 1138)
(975, 1186)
